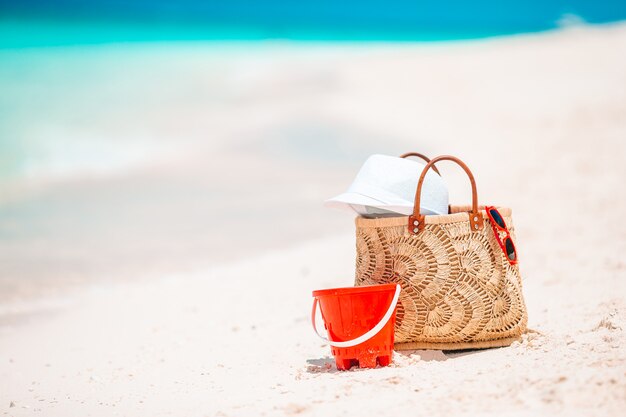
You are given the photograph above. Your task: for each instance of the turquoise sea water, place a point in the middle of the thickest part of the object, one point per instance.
(66, 22)
(19, 32)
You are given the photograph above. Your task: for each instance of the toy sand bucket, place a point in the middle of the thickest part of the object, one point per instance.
(360, 323)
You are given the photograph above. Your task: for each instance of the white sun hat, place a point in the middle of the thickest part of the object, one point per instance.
(385, 185)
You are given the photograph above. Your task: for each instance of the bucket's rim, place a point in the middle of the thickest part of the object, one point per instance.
(354, 290)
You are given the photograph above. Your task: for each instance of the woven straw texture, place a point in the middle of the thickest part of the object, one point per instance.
(458, 289)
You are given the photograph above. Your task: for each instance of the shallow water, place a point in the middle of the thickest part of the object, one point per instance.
(138, 160)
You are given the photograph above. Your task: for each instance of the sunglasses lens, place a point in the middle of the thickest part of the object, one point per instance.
(497, 218)
(510, 249)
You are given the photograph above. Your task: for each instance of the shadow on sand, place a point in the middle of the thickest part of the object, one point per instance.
(326, 364)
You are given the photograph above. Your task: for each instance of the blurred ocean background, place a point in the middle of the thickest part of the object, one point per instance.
(69, 22)
(151, 137)
(48, 48)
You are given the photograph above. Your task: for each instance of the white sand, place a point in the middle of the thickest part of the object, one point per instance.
(540, 119)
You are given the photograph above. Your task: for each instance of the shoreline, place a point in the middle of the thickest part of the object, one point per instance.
(299, 110)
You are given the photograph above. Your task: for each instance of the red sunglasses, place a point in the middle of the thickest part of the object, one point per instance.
(499, 228)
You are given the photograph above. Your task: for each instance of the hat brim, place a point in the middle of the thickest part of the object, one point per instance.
(343, 201)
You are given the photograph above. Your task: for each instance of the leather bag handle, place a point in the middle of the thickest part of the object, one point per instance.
(422, 156)
(416, 220)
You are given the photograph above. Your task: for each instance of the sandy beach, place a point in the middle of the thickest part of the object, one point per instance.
(174, 275)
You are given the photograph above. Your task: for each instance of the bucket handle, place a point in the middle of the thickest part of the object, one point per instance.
(373, 332)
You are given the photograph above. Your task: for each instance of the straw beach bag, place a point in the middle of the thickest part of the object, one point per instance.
(459, 290)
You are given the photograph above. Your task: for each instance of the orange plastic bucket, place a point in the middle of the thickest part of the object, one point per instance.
(359, 322)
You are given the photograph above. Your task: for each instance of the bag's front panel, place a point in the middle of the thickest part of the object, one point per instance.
(457, 285)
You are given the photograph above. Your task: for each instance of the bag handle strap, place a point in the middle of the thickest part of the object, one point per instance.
(422, 156)
(416, 220)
